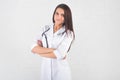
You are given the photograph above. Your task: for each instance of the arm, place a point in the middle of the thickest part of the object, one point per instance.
(60, 52)
(44, 52)
(48, 55)
(62, 49)
(41, 50)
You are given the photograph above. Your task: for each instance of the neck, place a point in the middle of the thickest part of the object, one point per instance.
(57, 27)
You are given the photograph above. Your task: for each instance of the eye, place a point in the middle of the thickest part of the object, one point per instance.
(62, 15)
(57, 13)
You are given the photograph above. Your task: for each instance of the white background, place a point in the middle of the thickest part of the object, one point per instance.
(95, 53)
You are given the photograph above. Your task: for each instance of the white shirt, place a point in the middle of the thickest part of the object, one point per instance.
(55, 69)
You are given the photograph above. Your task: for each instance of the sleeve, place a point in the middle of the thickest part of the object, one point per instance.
(37, 37)
(62, 49)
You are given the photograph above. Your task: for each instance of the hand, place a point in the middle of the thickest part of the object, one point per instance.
(35, 49)
(39, 42)
(64, 57)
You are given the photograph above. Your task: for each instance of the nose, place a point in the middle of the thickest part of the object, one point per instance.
(59, 16)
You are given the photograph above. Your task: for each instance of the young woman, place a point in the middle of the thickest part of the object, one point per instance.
(53, 44)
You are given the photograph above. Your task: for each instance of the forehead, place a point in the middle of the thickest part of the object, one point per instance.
(60, 10)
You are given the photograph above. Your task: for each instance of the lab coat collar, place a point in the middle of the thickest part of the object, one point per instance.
(60, 31)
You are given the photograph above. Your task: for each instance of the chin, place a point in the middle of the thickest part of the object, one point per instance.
(58, 23)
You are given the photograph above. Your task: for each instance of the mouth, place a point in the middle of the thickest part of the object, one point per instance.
(57, 20)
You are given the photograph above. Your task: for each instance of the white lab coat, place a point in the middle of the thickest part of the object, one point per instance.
(55, 69)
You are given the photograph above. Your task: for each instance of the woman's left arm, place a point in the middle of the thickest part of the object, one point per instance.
(60, 52)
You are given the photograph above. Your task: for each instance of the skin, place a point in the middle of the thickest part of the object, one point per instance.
(59, 19)
(48, 52)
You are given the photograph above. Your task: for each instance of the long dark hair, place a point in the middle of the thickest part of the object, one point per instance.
(67, 18)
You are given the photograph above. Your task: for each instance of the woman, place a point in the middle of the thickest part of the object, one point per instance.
(53, 44)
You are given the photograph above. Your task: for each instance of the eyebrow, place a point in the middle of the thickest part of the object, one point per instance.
(58, 13)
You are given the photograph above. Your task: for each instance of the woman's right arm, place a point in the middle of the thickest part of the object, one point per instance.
(41, 50)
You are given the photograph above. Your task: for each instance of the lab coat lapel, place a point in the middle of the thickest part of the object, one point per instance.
(60, 31)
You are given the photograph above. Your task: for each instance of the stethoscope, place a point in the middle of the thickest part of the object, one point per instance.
(43, 34)
(46, 36)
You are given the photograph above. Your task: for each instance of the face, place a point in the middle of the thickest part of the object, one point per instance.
(59, 16)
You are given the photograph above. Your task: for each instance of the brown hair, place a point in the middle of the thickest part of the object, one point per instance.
(67, 18)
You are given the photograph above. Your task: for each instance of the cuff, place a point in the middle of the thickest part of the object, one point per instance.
(58, 55)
